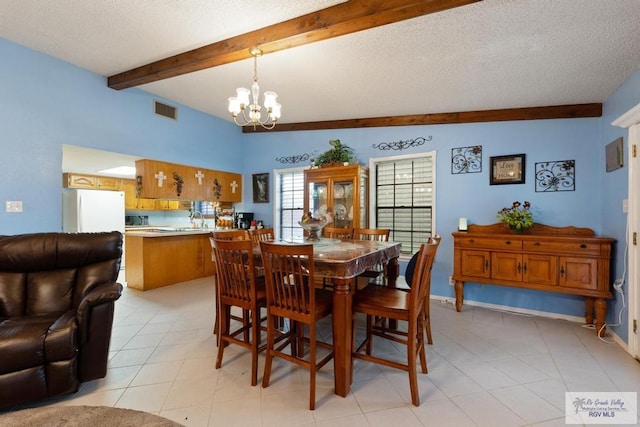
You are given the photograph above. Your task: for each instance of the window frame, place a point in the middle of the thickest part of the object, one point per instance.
(374, 161)
(277, 206)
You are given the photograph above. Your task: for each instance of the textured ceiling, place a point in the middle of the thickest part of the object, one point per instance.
(488, 55)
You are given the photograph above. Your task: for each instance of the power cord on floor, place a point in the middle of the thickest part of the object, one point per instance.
(617, 285)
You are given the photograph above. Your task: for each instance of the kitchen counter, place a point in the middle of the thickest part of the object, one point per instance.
(164, 256)
(165, 231)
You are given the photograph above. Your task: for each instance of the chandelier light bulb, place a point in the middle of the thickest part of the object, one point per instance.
(243, 96)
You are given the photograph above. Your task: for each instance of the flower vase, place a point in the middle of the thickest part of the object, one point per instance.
(516, 230)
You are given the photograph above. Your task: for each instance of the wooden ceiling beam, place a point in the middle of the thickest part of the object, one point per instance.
(344, 18)
(510, 114)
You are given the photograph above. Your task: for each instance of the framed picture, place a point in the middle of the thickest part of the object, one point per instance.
(614, 155)
(507, 169)
(260, 188)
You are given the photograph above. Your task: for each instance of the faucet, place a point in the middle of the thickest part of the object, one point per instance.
(201, 218)
(192, 216)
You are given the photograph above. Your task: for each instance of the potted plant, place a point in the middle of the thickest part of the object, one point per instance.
(517, 217)
(337, 155)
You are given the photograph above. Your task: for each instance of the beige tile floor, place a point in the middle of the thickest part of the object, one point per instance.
(486, 368)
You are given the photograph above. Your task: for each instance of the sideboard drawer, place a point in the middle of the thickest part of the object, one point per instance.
(506, 244)
(574, 248)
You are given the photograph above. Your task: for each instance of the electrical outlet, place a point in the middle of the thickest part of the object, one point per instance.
(451, 281)
(13, 206)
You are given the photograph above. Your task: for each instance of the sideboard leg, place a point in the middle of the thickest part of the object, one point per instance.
(459, 287)
(601, 315)
(588, 310)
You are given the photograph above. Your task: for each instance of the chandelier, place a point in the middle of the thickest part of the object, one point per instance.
(240, 103)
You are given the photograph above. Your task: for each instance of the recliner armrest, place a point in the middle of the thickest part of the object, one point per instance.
(104, 293)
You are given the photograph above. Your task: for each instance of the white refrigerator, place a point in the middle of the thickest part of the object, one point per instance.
(85, 211)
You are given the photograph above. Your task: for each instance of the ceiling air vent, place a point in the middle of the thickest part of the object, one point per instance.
(165, 110)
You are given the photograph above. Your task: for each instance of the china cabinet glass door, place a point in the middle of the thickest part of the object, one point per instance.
(318, 197)
(343, 204)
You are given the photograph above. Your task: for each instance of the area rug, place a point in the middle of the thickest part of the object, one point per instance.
(82, 416)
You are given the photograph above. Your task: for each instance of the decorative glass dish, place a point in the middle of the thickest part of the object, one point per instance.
(314, 227)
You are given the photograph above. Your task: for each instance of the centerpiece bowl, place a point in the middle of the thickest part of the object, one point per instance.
(314, 227)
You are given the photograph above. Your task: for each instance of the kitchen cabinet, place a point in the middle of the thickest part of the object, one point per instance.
(224, 187)
(565, 260)
(341, 191)
(158, 181)
(155, 260)
(132, 201)
(161, 180)
(95, 182)
(168, 205)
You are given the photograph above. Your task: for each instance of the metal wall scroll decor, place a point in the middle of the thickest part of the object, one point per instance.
(402, 145)
(559, 175)
(466, 159)
(294, 159)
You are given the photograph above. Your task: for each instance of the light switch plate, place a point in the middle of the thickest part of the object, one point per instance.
(13, 206)
(625, 206)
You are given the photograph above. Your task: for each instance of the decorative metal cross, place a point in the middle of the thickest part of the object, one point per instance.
(199, 177)
(233, 186)
(160, 176)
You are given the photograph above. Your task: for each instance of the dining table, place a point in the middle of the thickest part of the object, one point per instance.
(341, 261)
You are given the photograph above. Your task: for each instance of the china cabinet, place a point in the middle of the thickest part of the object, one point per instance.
(566, 260)
(340, 191)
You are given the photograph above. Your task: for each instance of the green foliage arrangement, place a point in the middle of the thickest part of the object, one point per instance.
(517, 217)
(340, 153)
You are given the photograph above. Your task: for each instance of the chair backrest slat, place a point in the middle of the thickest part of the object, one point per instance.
(287, 272)
(379, 234)
(258, 234)
(338, 233)
(235, 269)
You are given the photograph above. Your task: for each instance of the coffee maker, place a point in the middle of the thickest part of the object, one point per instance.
(243, 220)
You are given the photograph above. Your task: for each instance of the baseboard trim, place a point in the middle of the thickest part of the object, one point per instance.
(510, 309)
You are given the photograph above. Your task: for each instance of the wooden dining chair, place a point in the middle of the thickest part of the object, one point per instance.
(379, 234)
(435, 239)
(231, 235)
(378, 273)
(338, 233)
(239, 287)
(259, 234)
(225, 235)
(377, 302)
(291, 294)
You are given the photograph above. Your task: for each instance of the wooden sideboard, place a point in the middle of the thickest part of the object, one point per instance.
(566, 260)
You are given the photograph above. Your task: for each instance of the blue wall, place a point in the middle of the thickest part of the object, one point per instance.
(616, 188)
(596, 202)
(45, 103)
(470, 195)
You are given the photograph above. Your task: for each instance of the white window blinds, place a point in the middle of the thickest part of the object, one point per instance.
(289, 203)
(404, 198)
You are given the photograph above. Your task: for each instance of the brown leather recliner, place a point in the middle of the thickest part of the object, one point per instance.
(57, 294)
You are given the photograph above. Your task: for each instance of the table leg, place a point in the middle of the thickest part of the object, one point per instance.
(342, 334)
(393, 271)
(459, 287)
